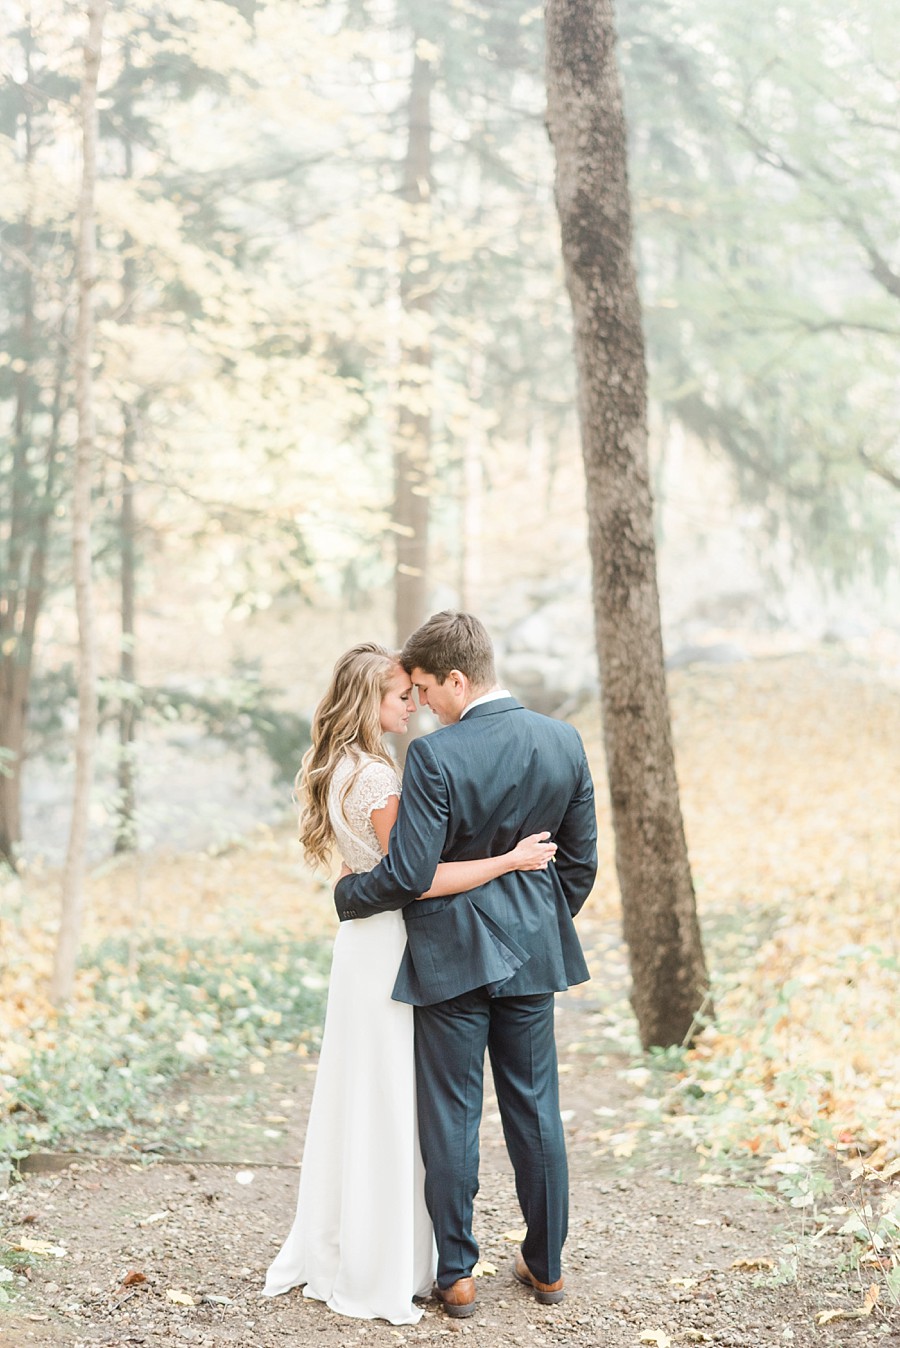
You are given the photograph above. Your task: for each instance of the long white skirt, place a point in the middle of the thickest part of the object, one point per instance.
(362, 1240)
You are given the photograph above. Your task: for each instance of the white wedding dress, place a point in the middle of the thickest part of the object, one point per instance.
(362, 1240)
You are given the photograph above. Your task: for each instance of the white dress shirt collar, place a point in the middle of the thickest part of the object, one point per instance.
(487, 697)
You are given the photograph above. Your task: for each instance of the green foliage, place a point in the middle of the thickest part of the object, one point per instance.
(766, 214)
(161, 1008)
(878, 1231)
(239, 710)
(11, 1263)
(53, 692)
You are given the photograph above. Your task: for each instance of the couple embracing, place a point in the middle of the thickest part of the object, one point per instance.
(456, 907)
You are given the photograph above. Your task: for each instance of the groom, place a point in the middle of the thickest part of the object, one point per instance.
(481, 968)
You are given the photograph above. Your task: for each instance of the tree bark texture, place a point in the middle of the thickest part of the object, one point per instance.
(587, 127)
(73, 873)
(412, 455)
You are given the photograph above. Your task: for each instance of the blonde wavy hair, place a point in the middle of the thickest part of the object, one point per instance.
(347, 720)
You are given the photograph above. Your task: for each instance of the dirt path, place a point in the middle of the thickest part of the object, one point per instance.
(651, 1250)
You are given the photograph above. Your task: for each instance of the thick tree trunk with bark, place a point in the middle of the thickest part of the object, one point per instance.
(412, 455)
(73, 873)
(587, 128)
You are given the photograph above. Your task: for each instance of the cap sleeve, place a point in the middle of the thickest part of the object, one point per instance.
(373, 788)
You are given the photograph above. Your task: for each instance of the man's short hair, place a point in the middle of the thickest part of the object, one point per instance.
(448, 641)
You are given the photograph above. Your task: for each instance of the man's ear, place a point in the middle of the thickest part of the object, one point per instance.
(458, 680)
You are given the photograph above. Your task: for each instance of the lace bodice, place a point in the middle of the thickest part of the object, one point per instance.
(351, 820)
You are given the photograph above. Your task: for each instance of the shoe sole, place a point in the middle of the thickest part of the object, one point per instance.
(458, 1312)
(545, 1298)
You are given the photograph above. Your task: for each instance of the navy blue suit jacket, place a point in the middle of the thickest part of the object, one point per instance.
(474, 789)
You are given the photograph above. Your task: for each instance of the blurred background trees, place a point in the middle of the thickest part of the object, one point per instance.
(333, 374)
(764, 152)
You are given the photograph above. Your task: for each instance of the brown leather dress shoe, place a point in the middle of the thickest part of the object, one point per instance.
(547, 1293)
(459, 1298)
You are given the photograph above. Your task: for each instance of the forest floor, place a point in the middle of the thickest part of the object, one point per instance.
(744, 1192)
(662, 1249)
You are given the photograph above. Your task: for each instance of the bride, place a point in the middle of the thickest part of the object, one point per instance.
(362, 1240)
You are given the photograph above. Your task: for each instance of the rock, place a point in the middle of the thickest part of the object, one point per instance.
(843, 630)
(716, 653)
(548, 658)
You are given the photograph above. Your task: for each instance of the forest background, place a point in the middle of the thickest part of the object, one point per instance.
(327, 244)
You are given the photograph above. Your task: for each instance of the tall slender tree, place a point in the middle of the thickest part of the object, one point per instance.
(73, 874)
(126, 831)
(34, 285)
(412, 455)
(587, 128)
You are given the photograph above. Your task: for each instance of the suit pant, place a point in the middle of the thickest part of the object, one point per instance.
(450, 1039)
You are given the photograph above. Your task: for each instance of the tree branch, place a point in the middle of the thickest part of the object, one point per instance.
(880, 470)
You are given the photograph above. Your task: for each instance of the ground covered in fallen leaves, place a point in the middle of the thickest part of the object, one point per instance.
(746, 1191)
(146, 1251)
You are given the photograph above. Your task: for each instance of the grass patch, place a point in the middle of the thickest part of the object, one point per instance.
(159, 1008)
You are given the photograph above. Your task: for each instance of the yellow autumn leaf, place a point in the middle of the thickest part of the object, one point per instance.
(657, 1336)
(178, 1298)
(856, 1313)
(623, 1145)
(484, 1268)
(517, 1235)
(29, 1246)
(753, 1265)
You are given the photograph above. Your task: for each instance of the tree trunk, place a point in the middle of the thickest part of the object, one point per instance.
(33, 494)
(73, 875)
(412, 455)
(15, 657)
(13, 708)
(17, 663)
(126, 835)
(471, 531)
(126, 829)
(587, 128)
